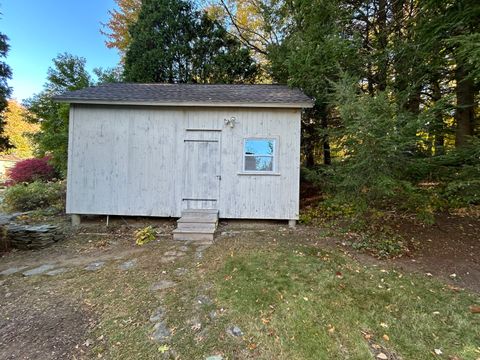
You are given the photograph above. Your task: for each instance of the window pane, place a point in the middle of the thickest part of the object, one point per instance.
(259, 146)
(258, 163)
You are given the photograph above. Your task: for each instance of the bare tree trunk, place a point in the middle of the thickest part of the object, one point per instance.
(464, 114)
(439, 127)
(327, 158)
(382, 42)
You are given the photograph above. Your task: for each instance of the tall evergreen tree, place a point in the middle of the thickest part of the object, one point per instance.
(5, 90)
(171, 42)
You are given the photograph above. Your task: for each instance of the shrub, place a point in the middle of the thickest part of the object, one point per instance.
(145, 235)
(33, 196)
(31, 170)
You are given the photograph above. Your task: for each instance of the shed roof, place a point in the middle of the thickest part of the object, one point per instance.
(189, 95)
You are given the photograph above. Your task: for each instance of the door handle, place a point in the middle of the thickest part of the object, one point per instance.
(219, 177)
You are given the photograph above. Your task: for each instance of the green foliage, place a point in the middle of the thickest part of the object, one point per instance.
(36, 195)
(145, 235)
(109, 75)
(381, 245)
(171, 42)
(68, 73)
(462, 193)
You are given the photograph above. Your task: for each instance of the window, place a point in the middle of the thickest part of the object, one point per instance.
(259, 155)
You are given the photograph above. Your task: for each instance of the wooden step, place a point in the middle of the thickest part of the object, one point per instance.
(196, 219)
(192, 235)
(210, 226)
(196, 225)
(200, 211)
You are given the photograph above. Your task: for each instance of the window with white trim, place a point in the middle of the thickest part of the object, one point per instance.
(259, 155)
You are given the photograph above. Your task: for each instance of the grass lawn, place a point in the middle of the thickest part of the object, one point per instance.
(299, 302)
(292, 296)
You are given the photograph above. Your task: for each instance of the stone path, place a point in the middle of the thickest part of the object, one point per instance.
(160, 332)
(54, 268)
(39, 270)
(95, 266)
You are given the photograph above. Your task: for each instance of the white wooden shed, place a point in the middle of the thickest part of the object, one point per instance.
(161, 149)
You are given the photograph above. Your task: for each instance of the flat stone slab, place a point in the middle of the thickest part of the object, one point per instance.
(180, 271)
(203, 248)
(234, 331)
(162, 285)
(94, 266)
(31, 237)
(204, 300)
(167, 259)
(13, 270)
(56, 272)
(214, 357)
(158, 315)
(161, 333)
(39, 270)
(183, 248)
(127, 265)
(174, 253)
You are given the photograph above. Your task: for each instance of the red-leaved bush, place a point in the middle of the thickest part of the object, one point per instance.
(30, 170)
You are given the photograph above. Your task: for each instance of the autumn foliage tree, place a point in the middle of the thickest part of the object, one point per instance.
(117, 28)
(19, 130)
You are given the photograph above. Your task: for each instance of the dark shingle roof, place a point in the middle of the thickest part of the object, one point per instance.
(190, 95)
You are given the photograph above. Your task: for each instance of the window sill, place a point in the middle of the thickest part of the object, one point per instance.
(258, 173)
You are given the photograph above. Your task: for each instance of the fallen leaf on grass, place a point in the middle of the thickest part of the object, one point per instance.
(438, 351)
(386, 337)
(382, 356)
(163, 349)
(475, 309)
(454, 288)
(366, 335)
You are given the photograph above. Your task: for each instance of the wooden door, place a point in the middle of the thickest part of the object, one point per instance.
(201, 185)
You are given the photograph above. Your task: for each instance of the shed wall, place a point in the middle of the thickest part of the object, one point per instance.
(130, 160)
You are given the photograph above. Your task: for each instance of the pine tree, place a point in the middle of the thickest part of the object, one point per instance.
(5, 90)
(171, 42)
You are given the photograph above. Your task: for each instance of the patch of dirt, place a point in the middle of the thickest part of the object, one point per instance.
(92, 241)
(37, 323)
(310, 194)
(449, 249)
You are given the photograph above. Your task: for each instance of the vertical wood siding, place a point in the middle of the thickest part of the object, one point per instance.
(133, 160)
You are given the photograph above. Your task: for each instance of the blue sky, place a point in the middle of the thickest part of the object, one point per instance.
(40, 29)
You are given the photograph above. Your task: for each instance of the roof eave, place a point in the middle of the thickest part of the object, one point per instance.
(296, 105)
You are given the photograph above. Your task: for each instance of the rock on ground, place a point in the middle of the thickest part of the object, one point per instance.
(204, 300)
(95, 266)
(158, 315)
(161, 333)
(39, 270)
(12, 270)
(234, 331)
(127, 265)
(162, 285)
(56, 272)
